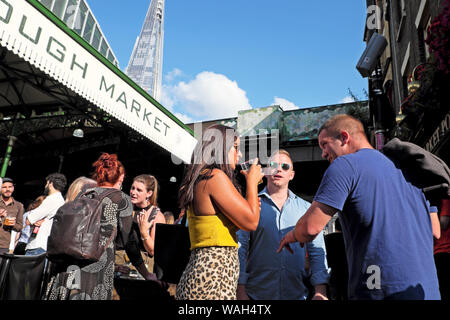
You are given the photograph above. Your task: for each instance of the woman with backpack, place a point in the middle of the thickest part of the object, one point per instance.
(82, 279)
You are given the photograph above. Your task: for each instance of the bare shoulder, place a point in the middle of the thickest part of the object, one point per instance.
(217, 179)
(160, 216)
(213, 175)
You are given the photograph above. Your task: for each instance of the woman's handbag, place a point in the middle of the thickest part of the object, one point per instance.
(172, 250)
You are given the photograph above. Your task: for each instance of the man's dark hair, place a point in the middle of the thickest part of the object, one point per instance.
(8, 180)
(59, 181)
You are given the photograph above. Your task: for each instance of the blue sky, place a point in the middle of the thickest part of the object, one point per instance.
(222, 56)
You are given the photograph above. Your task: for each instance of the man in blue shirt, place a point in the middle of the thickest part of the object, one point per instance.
(385, 219)
(265, 274)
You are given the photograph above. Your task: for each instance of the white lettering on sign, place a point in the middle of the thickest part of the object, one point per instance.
(25, 31)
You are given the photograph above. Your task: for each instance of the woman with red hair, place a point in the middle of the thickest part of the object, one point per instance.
(96, 279)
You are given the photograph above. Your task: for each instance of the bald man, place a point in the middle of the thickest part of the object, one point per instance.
(385, 219)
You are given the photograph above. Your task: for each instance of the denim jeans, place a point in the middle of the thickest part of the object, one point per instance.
(34, 252)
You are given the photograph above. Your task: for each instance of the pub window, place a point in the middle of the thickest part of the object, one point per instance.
(381, 18)
(421, 43)
(425, 34)
(401, 10)
(424, 50)
(405, 77)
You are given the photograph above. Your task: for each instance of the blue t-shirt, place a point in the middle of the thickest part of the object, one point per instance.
(386, 226)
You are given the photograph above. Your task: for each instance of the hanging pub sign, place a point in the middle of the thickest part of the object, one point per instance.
(438, 134)
(51, 47)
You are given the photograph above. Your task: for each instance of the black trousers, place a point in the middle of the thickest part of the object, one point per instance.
(442, 261)
(20, 248)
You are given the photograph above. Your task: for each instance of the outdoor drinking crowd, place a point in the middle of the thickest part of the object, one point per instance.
(247, 244)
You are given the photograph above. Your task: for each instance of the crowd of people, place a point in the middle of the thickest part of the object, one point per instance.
(134, 238)
(247, 244)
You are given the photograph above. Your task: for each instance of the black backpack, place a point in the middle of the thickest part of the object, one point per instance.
(75, 233)
(420, 167)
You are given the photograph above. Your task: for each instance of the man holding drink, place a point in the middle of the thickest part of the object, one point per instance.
(11, 214)
(265, 274)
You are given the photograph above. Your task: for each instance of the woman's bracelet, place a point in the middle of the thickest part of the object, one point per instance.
(145, 239)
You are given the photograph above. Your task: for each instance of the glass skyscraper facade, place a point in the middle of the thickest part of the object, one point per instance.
(145, 65)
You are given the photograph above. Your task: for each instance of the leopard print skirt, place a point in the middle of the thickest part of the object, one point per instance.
(211, 274)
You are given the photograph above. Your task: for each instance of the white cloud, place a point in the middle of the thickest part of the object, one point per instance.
(347, 99)
(171, 75)
(167, 100)
(184, 118)
(284, 104)
(169, 103)
(208, 96)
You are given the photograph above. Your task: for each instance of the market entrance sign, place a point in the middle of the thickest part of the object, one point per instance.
(35, 38)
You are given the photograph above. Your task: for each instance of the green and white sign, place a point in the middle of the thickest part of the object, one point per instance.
(35, 38)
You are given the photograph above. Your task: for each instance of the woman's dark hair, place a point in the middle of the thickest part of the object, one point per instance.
(107, 169)
(210, 153)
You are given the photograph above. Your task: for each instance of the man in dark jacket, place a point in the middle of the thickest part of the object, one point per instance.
(11, 213)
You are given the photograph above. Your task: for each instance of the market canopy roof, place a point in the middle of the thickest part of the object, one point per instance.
(48, 66)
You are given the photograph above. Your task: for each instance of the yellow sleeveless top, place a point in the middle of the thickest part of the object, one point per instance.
(211, 231)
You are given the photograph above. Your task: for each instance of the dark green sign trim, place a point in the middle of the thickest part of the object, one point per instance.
(50, 15)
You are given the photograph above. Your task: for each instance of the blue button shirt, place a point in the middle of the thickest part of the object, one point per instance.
(26, 230)
(268, 275)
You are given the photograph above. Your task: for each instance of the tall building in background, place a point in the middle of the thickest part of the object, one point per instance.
(145, 65)
(77, 15)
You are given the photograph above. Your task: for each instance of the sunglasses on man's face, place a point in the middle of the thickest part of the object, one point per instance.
(285, 166)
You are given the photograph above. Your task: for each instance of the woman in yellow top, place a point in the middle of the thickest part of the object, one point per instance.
(216, 210)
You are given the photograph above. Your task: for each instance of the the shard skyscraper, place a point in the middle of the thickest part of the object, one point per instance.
(145, 65)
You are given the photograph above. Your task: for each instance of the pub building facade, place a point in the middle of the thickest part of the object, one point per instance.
(415, 70)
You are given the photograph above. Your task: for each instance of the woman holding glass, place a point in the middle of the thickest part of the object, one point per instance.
(215, 210)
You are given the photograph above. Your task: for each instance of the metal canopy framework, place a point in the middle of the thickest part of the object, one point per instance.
(52, 81)
(38, 110)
